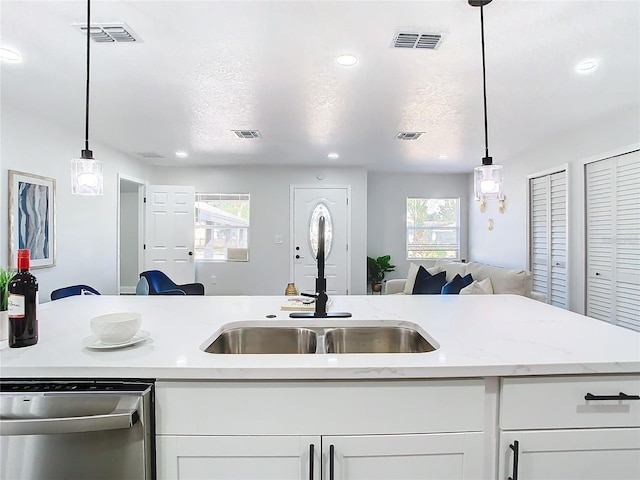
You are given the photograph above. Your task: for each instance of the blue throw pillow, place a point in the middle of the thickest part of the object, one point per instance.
(421, 275)
(456, 284)
(429, 285)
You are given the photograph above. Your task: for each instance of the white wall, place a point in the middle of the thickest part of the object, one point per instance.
(506, 245)
(86, 227)
(268, 271)
(387, 199)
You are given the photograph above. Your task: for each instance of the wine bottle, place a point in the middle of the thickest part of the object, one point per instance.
(22, 304)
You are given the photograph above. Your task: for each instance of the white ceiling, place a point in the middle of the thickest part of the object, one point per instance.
(204, 68)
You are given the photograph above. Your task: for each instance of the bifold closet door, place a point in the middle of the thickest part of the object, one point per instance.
(548, 236)
(612, 189)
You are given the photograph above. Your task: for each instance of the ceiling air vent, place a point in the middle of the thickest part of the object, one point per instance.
(247, 133)
(149, 155)
(429, 41)
(110, 32)
(409, 135)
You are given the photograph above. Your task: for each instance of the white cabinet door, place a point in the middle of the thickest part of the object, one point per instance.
(404, 457)
(577, 454)
(238, 457)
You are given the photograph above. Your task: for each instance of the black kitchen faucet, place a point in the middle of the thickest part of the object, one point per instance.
(321, 286)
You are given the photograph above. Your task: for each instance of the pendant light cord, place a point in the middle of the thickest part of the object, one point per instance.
(86, 119)
(487, 160)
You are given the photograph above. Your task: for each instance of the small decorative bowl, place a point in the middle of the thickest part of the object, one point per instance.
(115, 328)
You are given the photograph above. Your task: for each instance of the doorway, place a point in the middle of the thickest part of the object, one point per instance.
(130, 232)
(308, 204)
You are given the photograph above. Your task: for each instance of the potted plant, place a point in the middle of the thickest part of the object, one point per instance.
(5, 277)
(376, 269)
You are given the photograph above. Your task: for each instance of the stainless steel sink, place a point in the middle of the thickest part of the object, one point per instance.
(264, 340)
(320, 337)
(378, 339)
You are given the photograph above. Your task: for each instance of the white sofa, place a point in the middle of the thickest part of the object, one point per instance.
(501, 280)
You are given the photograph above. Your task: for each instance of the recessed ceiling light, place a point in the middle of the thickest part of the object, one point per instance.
(181, 154)
(9, 55)
(333, 156)
(346, 60)
(443, 156)
(587, 66)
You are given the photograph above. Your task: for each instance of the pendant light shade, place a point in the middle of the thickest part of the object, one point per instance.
(86, 171)
(488, 182)
(487, 178)
(86, 176)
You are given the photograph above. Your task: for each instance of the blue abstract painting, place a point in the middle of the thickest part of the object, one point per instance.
(33, 219)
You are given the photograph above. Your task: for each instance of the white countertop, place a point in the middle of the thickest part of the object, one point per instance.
(484, 335)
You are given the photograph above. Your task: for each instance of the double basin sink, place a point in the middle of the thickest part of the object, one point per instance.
(358, 337)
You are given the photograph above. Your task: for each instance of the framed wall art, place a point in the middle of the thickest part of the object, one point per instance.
(32, 218)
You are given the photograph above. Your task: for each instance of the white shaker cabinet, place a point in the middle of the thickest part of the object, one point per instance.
(575, 454)
(570, 428)
(360, 430)
(211, 457)
(444, 456)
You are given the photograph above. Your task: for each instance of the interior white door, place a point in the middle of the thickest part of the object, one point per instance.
(169, 231)
(308, 205)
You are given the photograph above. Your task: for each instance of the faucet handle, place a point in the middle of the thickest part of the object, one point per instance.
(312, 295)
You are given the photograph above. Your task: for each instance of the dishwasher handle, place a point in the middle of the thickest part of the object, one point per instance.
(91, 423)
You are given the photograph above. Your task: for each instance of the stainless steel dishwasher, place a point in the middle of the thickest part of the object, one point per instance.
(77, 430)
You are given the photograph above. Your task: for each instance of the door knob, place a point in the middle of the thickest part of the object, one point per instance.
(190, 253)
(298, 256)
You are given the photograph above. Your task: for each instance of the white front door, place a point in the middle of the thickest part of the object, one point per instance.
(308, 204)
(169, 231)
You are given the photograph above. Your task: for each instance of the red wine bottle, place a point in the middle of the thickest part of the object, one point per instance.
(22, 303)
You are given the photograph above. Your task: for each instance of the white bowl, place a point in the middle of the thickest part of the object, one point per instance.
(115, 328)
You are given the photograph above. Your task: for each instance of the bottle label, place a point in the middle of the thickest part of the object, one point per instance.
(15, 304)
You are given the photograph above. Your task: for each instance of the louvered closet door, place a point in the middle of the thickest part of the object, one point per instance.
(627, 253)
(548, 236)
(613, 239)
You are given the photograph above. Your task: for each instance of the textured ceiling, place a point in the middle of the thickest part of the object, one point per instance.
(205, 68)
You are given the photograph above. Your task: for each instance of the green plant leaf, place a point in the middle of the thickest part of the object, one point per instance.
(5, 277)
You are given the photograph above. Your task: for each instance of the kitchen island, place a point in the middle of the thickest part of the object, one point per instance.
(508, 379)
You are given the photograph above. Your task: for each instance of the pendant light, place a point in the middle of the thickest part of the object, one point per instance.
(86, 171)
(487, 178)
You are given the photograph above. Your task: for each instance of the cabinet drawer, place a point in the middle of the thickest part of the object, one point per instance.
(559, 402)
(319, 407)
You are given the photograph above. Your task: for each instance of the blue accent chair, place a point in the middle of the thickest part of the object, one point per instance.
(160, 284)
(73, 290)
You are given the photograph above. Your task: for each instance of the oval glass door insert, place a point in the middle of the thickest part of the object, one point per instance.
(321, 210)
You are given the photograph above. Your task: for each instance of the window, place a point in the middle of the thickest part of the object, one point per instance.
(222, 227)
(433, 228)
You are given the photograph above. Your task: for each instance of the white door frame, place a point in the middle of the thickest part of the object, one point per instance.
(292, 189)
(141, 185)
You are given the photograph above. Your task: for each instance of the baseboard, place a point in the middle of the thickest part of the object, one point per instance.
(127, 290)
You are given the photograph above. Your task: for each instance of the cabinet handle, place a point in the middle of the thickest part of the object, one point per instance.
(311, 448)
(331, 452)
(620, 396)
(515, 447)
